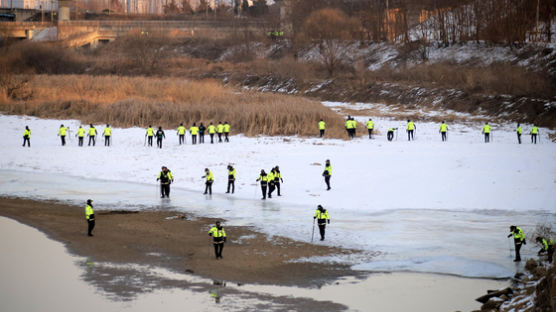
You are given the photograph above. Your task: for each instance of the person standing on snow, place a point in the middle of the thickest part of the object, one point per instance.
(519, 239)
(211, 130)
(327, 174)
(181, 134)
(166, 178)
(107, 134)
(159, 136)
(27, 136)
(226, 131)
(149, 134)
(194, 130)
(322, 217)
(92, 135)
(322, 127)
(231, 179)
(443, 131)
(209, 180)
(202, 133)
(486, 131)
(220, 130)
(264, 182)
(410, 128)
(62, 134)
(534, 133)
(370, 127)
(277, 179)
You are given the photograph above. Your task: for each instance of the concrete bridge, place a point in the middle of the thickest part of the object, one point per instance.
(80, 33)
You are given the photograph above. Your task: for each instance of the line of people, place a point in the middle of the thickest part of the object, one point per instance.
(411, 130)
(64, 132)
(270, 181)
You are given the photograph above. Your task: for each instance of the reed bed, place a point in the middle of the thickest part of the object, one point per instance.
(167, 102)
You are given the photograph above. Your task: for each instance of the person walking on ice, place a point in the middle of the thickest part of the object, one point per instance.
(166, 178)
(277, 179)
(149, 135)
(444, 131)
(92, 135)
(410, 128)
(218, 239)
(159, 136)
(327, 174)
(90, 217)
(194, 130)
(486, 131)
(107, 132)
(27, 136)
(180, 132)
(370, 127)
(322, 217)
(220, 130)
(519, 239)
(208, 182)
(264, 182)
(322, 127)
(62, 134)
(519, 131)
(80, 135)
(226, 131)
(534, 132)
(231, 179)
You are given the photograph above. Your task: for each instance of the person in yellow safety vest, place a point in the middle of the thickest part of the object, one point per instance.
(350, 127)
(271, 185)
(220, 130)
(410, 128)
(327, 174)
(80, 135)
(322, 127)
(62, 133)
(534, 133)
(322, 217)
(218, 239)
(444, 131)
(486, 131)
(226, 131)
(264, 182)
(150, 134)
(547, 245)
(231, 179)
(107, 135)
(27, 136)
(209, 180)
(90, 217)
(277, 179)
(166, 178)
(92, 133)
(519, 131)
(211, 130)
(519, 239)
(194, 130)
(181, 134)
(390, 134)
(370, 127)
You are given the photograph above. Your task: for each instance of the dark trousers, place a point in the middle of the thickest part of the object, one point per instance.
(63, 138)
(231, 182)
(519, 138)
(91, 226)
(321, 133)
(409, 135)
(164, 190)
(226, 136)
(193, 139)
(370, 133)
(517, 245)
(534, 138)
(487, 137)
(201, 138)
(322, 228)
(263, 189)
(351, 133)
(208, 187)
(327, 181)
(181, 139)
(80, 141)
(26, 139)
(159, 142)
(218, 247)
(271, 188)
(443, 136)
(390, 135)
(150, 140)
(106, 140)
(220, 137)
(92, 139)
(211, 138)
(277, 185)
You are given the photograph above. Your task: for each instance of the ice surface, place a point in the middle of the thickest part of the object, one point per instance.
(422, 206)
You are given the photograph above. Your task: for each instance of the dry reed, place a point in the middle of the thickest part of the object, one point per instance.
(167, 102)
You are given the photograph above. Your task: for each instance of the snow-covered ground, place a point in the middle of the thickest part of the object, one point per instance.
(422, 206)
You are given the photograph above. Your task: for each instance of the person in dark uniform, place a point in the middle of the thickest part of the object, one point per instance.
(218, 239)
(519, 239)
(231, 179)
(264, 182)
(166, 178)
(322, 217)
(327, 174)
(90, 217)
(202, 129)
(159, 136)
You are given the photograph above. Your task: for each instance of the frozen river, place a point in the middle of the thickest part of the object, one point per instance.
(467, 243)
